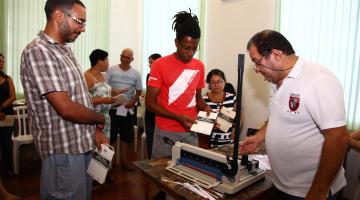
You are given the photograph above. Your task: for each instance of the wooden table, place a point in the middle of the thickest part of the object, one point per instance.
(154, 170)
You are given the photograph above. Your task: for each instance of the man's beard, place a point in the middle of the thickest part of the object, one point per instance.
(66, 33)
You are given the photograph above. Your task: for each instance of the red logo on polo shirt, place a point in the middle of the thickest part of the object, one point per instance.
(294, 102)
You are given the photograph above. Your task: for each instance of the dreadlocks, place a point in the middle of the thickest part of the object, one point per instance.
(186, 24)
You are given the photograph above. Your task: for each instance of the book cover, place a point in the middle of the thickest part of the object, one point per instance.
(100, 163)
(204, 124)
(120, 99)
(226, 118)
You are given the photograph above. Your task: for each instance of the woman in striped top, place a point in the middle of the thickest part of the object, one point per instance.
(216, 98)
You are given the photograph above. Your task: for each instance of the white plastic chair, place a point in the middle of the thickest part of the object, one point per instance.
(23, 136)
(141, 113)
(140, 121)
(142, 145)
(19, 102)
(141, 116)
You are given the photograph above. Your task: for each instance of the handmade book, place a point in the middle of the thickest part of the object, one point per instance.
(226, 118)
(204, 124)
(120, 99)
(100, 163)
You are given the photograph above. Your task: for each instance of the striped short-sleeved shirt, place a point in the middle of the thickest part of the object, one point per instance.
(47, 66)
(219, 137)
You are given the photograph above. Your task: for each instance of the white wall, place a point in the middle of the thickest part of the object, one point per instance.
(125, 30)
(229, 26)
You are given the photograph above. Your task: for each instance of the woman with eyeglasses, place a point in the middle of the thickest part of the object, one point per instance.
(217, 98)
(7, 97)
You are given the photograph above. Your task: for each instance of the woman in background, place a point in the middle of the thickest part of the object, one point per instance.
(7, 97)
(150, 116)
(100, 91)
(217, 98)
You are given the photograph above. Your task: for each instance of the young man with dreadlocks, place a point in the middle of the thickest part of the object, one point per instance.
(174, 88)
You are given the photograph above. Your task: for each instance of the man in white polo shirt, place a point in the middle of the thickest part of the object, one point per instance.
(305, 135)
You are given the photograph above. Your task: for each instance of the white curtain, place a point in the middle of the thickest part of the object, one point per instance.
(23, 19)
(328, 32)
(158, 36)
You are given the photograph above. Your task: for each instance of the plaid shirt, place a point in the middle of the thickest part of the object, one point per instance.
(47, 66)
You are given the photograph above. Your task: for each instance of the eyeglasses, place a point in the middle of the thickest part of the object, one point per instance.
(257, 63)
(216, 82)
(79, 22)
(127, 57)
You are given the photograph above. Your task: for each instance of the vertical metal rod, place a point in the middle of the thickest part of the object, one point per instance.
(234, 161)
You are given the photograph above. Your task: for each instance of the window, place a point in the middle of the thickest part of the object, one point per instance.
(22, 20)
(158, 36)
(328, 32)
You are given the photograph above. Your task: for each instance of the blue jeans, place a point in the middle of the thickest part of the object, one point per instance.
(164, 140)
(63, 176)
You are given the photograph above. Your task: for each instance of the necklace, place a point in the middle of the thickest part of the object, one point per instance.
(215, 99)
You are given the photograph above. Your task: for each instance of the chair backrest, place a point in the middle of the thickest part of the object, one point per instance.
(19, 102)
(21, 119)
(142, 108)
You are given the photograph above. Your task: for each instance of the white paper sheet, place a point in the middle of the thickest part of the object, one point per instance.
(121, 111)
(204, 124)
(120, 99)
(263, 161)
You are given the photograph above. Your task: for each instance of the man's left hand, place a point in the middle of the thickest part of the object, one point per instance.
(130, 104)
(100, 138)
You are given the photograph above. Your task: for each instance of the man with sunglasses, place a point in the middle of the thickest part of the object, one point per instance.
(62, 121)
(124, 77)
(305, 135)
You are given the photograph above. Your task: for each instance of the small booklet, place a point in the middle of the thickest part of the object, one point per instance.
(120, 99)
(100, 163)
(204, 123)
(226, 118)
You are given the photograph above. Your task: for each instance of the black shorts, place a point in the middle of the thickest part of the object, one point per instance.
(123, 126)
